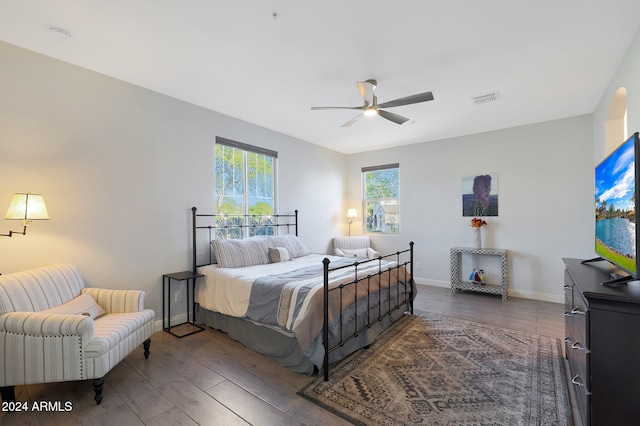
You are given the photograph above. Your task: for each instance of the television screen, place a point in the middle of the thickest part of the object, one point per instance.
(616, 198)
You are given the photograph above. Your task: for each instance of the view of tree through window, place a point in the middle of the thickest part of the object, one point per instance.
(381, 198)
(244, 179)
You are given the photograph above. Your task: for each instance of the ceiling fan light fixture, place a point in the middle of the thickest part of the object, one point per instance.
(371, 106)
(372, 82)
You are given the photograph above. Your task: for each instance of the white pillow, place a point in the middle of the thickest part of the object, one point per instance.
(239, 253)
(356, 253)
(293, 244)
(84, 304)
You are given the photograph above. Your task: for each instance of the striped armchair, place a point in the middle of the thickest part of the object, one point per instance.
(358, 247)
(54, 329)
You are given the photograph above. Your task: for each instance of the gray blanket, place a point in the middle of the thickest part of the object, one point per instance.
(267, 292)
(294, 300)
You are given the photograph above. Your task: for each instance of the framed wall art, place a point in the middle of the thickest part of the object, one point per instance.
(480, 195)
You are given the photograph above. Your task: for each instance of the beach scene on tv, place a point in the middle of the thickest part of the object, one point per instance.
(615, 208)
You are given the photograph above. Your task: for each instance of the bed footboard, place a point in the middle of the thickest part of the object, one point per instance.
(396, 281)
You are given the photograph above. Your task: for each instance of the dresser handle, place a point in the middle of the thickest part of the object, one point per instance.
(566, 287)
(567, 339)
(577, 310)
(567, 314)
(578, 382)
(578, 345)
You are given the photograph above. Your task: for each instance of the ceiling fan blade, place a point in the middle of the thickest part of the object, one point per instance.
(350, 122)
(366, 91)
(321, 108)
(398, 119)
(407, 100)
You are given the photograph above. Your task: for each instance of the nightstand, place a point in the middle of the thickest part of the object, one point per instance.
(167, 279)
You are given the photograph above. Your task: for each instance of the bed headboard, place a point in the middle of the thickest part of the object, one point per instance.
(206, 227)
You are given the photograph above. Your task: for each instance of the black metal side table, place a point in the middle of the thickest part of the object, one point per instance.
(166, 301)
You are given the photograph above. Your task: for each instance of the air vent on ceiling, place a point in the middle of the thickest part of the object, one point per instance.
(486, 98)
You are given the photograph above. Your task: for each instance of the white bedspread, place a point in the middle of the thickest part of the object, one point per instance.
(227, 290)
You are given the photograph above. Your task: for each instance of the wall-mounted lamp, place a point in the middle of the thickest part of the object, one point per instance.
(351, 213)
(27, 208)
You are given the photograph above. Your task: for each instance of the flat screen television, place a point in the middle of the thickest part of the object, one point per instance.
(617, 196)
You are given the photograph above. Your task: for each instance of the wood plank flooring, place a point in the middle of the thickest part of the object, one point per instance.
(209, 379)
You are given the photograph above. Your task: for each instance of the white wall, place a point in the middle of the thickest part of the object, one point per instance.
(628, 76)
(545, 183)
(120, 168)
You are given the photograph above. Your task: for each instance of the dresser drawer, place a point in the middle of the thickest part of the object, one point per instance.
(583, 401)
(580, 380)
(579, 359)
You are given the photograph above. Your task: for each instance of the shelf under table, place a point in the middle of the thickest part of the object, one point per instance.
(458, 284)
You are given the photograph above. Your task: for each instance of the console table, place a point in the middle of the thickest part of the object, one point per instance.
(458, 284)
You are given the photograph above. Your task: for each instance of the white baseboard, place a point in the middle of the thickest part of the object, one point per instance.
(178, 319)
(532, 295)
(543, 297)
(432, 283)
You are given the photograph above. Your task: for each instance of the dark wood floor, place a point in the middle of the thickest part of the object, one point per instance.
(209, 379)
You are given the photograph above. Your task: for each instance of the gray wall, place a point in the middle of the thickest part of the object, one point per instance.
(627, 75)
(120, 168)
(545, 185)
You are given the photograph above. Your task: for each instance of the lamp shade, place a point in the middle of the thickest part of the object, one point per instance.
(27, 207)
(351, 213)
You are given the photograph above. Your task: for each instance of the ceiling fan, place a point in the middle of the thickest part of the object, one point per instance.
(372, 107)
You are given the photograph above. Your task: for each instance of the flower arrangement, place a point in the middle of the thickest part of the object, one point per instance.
(477, 222)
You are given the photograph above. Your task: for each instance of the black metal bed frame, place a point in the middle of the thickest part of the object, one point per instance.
(381, 314)
(235, 226)
(249, 225)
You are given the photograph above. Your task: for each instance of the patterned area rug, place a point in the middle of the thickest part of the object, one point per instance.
(432, 370)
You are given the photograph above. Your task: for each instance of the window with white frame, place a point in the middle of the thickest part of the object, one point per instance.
(381, 198)
(244, 179)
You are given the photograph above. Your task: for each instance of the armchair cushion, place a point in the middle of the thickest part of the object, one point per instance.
(357, 253)
(358, 247)
(84, 304)
(365, 253)
(116, 335)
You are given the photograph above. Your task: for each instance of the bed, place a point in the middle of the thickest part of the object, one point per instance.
(265, 289)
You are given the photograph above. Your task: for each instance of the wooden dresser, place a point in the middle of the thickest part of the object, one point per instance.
(602, 344)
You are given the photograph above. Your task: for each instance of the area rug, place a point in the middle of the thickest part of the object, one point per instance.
(433, 370)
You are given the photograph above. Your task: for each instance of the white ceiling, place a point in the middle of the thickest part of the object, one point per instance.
(548, 59)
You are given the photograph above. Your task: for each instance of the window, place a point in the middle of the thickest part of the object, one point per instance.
(381, 198)
(244, 180)
(616, 130)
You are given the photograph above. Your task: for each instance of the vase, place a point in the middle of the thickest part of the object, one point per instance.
(477, 238)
